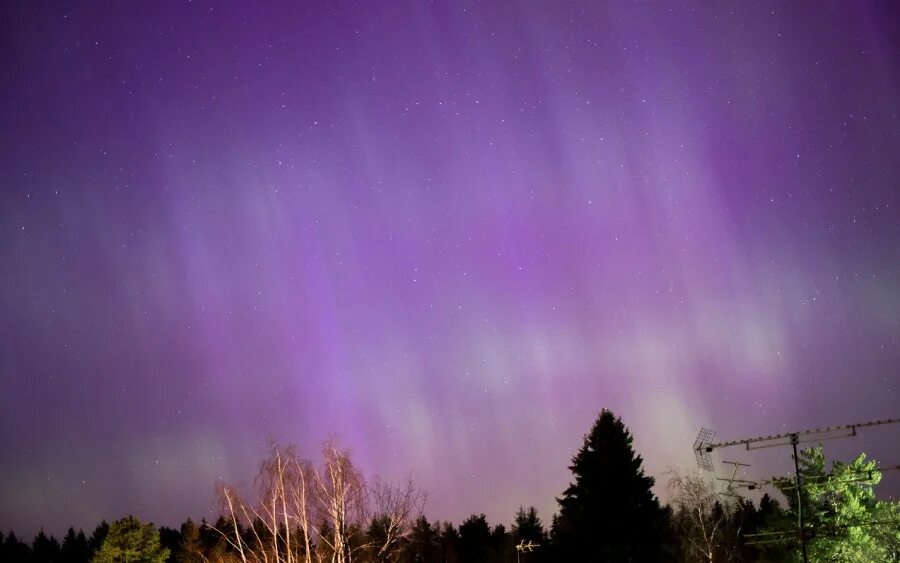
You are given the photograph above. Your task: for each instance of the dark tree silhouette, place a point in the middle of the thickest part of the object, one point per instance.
(450, 543)
(529, 528)
(474, 539)
(501, 548)
(769, 514)
(44, 549)
(170, 539)
(609, 512)
(75, 548)
(424, 544)
(190, 548)
(98, 537)
(14, 551)
(378, 535)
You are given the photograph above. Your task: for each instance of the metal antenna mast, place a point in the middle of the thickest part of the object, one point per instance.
(733, 479)
(525, 546)
(704, 445)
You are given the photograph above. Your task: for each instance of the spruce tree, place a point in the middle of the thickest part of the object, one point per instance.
(843, 520)
(98, 537)
(191, 548)
(75, 548)
(609, 513)
(501, 547)
(132, 541)
(44, 549)
(424, 542)
(15, 551)
(474, 539)
(449, 543)
(170, 539)
(529, 528)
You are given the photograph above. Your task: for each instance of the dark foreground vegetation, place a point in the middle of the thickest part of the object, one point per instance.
(301, 512)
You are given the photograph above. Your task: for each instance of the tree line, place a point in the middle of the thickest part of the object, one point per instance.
(299, 511)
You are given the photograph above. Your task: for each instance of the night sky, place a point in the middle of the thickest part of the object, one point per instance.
(449, 232)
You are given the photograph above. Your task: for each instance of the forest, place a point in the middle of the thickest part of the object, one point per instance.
(302, 511)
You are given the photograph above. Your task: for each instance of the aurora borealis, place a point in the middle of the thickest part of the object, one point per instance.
(449, 232)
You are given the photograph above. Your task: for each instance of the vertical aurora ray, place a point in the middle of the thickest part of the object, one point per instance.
(449, 233)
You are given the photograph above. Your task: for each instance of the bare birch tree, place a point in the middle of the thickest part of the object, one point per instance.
(393, 510)
(340, 495)
(275, 526)
(301, 513)
(703, 519)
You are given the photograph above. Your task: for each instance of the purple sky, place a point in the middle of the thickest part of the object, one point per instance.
(450, 232)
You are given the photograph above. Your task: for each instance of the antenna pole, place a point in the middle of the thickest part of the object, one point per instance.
(800, 529)
(704, 445)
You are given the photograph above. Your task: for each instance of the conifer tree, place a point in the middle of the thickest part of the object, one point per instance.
(449, 542)
(191, 548)
(843, 521)
(98, 537)
(474, 539)
(75, 548)
(15, 551)
(424, 542)
(529, 528)
(44, 549)
(170, 538)
(132, 541)
(609, 513)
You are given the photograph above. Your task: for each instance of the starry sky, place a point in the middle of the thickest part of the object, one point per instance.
(449, 232)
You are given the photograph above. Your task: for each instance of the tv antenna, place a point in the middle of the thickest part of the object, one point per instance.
(860, 477)
(704, 445)
(729, 488)
(524, 546)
